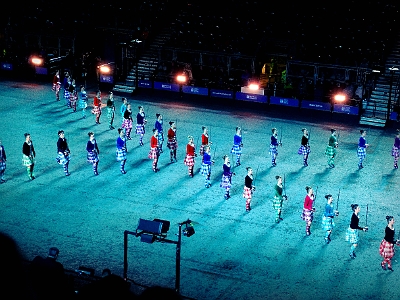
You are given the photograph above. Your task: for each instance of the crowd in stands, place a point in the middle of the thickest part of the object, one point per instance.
(358, 34)
(45, 278)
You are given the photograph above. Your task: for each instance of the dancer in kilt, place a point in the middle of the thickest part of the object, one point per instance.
(172, 143)
(204, 140)
(190, 155)
(361, 151)
(330, 151)
(97, 106)
(57, 85)
(3, 159)
(123, 107)
(206, 166)
(93, 152)
(127, 123)
(327, 218)
(121, 150)
(140, 123)
(83, 101)
(273, 147)
(159, 126)
(249, 188)
(28, 155)
(154, 153)
(237, 145)
(308, 209)
(226, 181)
(305, 147)
(110, 111)
(352, 232)
(73, 95)
(395, 149)
(386, 248)
(63, 157)
(66, 84)
(278, 199)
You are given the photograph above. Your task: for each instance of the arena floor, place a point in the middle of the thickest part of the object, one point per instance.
(233, 254)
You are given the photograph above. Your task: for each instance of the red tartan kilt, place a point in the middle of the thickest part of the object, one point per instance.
(189, 160)
(386, 249)
(96, 110)
(247, 192)
(153, 154)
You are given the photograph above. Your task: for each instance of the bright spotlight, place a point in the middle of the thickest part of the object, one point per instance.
(37, 61)
(339, 97)
(181, 78)
(105, 69)
(254, 86)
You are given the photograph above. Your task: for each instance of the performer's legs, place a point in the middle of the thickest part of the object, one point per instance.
(308, 225)
(175, 155)
(305, 160)
(122, 166)
(278, 215)
(274, 160)
(141, 139)
(65, 166)
(360, 163)
(238, 159)
(31, 169)
(2, 175)
(227, 196)
(248, 208)
(352, 249)
(396, 159)
(328, 236)
(84, 113)
(155, 164)
(95, 168)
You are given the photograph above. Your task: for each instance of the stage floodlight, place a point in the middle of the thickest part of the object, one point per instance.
(339, 97)
(36, 61)
(181, 78)
(254, 86)
(147, 238)
(165, 225)
(104, 69)
(148, 226)
(189, 229)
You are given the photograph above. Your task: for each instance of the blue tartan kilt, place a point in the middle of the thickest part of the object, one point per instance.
(140, 129)
(66, 94)
(82, 104)
(153, 154)
(352, 236)
(361, 153)
(395, 151)
(2, 165)
(27, 160)
(172, 144)
(189, 160)
(303, 150)
(273, 150)
(92, 157)
(62, 159)
(226, 182)
(327, 223)
(127, 123)
(121, 154)
(205, 169)
(307, 215)
(236, 149)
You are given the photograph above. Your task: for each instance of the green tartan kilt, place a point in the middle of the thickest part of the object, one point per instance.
(277, 203)
(27, 160)
(330, 151)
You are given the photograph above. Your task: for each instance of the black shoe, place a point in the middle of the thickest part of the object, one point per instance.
(327, 241)
(67, 174)
(123, 172)
(390, 269)
(383, 267)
